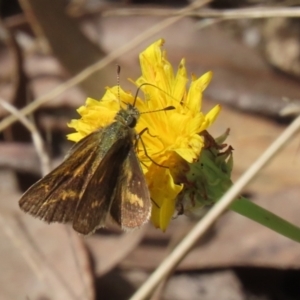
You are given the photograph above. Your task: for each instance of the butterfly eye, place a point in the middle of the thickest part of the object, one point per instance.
(131, 121)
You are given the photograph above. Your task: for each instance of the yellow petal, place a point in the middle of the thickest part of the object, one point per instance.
(194, 98)
(213, 113)
(163, 193)
(180, 82)
(205, 80)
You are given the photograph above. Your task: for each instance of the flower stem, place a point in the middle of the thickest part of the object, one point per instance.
(266, 218)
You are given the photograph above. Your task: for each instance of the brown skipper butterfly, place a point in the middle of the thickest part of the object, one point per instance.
(101, 176)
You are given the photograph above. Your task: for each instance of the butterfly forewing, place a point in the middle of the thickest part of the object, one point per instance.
(96, 201)
(54, 198)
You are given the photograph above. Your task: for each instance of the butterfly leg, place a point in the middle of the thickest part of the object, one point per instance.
(139, 138)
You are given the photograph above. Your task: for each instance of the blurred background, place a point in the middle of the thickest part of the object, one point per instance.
(256, 66)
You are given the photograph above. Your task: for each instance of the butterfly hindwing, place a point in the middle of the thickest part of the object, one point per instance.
(131, 206)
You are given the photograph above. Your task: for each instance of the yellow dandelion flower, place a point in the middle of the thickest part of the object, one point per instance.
(172, 137)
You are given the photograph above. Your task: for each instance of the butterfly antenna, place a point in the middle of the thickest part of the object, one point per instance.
(149, 84)
(118, 82)
(171, 107)
(138, 90)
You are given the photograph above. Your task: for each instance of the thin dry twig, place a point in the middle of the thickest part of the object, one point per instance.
(42, 271)
(225, 14)
(28, 255)
(86, 292)
(240, 13)
(36, 137)
(101, 63)
(34, 257)
(291, 109)
(208, 220)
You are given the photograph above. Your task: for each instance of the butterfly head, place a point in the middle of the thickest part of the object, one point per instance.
(129, 116)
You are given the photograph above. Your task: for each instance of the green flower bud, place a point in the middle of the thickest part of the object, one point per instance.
(209, 177)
